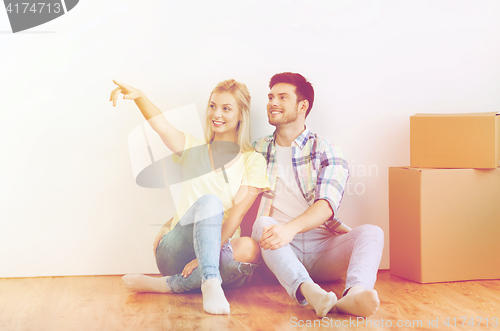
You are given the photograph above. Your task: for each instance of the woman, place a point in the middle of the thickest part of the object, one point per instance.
(194, 249)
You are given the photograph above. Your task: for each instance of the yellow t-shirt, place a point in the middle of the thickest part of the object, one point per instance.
(250, 169)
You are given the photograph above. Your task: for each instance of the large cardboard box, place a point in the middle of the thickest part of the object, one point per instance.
(455, 140)
(444, 224)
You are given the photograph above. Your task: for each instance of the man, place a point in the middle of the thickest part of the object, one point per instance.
(301, 240)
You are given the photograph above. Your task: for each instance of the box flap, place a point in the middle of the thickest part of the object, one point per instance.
(417, 169)
(456, 114)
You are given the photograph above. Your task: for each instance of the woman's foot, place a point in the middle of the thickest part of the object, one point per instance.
(214, 300)
(143, 283)
(319, 299)
(359, 302)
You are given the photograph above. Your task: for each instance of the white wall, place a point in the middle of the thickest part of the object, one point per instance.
(68, 201)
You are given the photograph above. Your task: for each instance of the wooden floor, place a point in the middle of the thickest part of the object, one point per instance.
(101, 303)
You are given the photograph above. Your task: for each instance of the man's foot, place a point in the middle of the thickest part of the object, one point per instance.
(214, 300)
(143, 283)
(319, 299)
(359, 302)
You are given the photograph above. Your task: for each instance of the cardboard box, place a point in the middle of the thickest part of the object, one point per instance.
(444, 224)
(455, 140)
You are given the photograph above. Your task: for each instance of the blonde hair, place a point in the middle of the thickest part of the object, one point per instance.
(242, 96)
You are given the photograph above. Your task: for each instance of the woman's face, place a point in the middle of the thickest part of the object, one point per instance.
(223, 114)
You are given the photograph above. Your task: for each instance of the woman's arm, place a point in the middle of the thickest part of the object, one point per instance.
(243, 201)
(171, 137)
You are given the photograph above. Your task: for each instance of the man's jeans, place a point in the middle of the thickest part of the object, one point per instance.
(322, 256)
(198, 236)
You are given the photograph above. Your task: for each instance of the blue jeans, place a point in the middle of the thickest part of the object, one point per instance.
(198, 236)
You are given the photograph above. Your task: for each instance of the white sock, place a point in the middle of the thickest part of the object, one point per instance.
(319, 299)
(143, 283)
(214, 300)
(359, 302)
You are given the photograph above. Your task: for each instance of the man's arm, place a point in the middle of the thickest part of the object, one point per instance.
(279, 235)
(332, 177)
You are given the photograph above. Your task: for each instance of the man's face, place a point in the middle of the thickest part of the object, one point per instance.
(282, 107)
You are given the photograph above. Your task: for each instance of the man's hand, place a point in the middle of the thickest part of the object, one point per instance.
(188, 269)
(276, 236)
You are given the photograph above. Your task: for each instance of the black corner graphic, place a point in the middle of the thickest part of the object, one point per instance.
(70, 4)
(26, 14)
(153, 176)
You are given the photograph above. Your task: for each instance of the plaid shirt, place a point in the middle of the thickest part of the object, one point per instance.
(320, 170)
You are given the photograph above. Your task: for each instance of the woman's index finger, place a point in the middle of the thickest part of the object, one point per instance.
(119, 83)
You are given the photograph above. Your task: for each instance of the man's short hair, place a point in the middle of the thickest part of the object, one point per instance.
(303, 88)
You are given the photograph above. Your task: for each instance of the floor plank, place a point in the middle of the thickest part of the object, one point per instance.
(102, 303)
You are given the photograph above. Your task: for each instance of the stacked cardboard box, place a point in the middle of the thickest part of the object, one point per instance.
(444, 210)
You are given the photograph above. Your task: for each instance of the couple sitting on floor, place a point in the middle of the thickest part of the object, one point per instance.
(301, 177)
